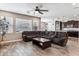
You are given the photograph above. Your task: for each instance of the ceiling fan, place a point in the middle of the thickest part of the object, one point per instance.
(39, 10)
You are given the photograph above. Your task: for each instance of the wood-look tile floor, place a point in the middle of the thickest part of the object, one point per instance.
(28, 49)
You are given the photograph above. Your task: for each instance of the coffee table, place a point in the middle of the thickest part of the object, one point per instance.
(42, 42)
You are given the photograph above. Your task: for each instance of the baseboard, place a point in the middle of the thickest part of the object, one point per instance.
(9, 41)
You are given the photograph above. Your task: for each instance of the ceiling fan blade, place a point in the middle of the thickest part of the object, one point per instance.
(40, 12)
(44, 10)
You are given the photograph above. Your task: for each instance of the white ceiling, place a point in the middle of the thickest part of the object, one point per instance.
(55, 9)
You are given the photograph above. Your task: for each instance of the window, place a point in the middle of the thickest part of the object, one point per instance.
(23, 25)
(35, 25)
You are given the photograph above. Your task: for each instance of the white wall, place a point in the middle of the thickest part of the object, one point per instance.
(14, 35)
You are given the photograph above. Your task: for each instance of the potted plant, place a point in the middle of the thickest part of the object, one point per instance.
(3, 27)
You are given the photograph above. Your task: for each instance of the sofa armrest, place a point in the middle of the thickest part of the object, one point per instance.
(63, 41)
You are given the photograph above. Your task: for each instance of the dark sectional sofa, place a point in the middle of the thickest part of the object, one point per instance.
(73, 34)
(59, 38)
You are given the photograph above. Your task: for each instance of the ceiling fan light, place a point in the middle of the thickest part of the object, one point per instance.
(36, 12)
